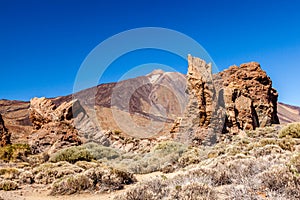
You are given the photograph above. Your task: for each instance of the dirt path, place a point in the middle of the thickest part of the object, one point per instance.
(28, 194)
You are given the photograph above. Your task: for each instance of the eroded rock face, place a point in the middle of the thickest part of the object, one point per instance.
(53, 128)
(237, 99)
(57, 126)
(4, 135)
(196, 124)
(249, 98)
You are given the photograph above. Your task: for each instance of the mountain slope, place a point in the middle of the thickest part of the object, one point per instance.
(288, 113)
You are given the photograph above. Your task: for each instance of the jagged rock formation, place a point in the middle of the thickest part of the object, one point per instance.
(68, 124)
(53, 128)
(240, 98)
(199, 120)
(4, 135)
(249, 98)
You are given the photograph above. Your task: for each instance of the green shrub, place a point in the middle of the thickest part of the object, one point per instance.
(8, 185)
(14, 152)
(292, 130)
(72, 155)
(101, 152)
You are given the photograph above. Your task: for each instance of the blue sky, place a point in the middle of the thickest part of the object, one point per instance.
(43, 43)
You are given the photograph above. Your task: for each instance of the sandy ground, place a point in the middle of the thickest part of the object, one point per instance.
(37, 194)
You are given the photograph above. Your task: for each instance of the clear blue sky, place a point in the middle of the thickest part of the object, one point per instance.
(44, 42)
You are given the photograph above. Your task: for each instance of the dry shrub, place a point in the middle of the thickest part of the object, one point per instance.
(194, 191)
(100, 178)
(291, 130)
(8, 185)
(162, 156)
(238, 192)
(295, 162)
(191, 156)
(26, 177)
(281, 180)
(14, 152)
(71, 185)
(86, 165)
(38, 159)
(266, 150)
(108, 178)
(150, 190)
(49, 172)
(168, 147)
(263, 132)
(284, 143)
(9, 173)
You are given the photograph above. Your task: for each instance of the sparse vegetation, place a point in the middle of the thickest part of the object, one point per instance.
(162, 155)
(100, 178)
(257, 166)
(252, 167)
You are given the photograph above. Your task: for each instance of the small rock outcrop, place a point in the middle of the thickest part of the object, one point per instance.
(4, 134)
(237, 99)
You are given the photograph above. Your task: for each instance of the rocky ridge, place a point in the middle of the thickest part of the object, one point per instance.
(237, 99)
(242, 98)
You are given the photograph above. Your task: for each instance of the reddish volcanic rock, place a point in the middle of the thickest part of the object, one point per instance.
(239, 98)
(249, 98)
